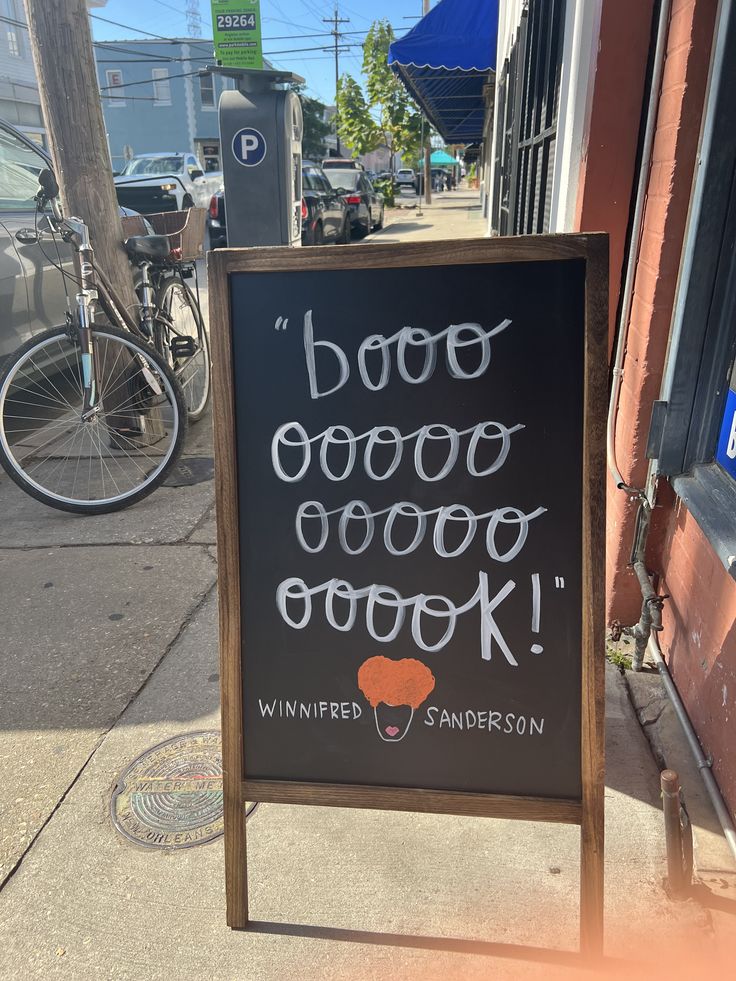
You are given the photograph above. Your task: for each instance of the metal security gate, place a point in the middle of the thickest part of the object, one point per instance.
(526, 121)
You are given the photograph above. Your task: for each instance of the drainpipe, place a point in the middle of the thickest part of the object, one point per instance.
(651, 606)
(702, 761)
(633, 255)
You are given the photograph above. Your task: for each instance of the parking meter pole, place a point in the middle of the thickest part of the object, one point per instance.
(261, 140)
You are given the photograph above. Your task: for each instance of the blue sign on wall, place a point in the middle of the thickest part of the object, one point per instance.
(726, 452)
(249, 147)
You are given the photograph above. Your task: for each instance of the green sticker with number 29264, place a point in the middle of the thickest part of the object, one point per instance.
(236, 29)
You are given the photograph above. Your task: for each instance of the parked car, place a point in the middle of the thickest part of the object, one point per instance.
(325, 214)
(31, 286)
(342, 163)
(365, 203)
(216, 226)
(406, 177)
(154, 182)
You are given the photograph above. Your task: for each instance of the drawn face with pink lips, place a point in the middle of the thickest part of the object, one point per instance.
(394, 689)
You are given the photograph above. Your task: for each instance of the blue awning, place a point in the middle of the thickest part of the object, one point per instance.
(444, 62)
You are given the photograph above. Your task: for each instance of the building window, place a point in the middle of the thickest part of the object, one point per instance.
(13, 32)
(114, 79)
(526, 120)
(207, 91)
(693, 431)
(161, 87)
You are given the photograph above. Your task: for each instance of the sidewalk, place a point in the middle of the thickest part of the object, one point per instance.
(110, 646)
(451, 215)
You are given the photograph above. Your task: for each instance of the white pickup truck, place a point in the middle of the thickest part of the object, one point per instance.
(154, 182)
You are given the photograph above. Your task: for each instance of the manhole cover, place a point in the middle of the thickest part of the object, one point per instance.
(171, 796)
(191, 470)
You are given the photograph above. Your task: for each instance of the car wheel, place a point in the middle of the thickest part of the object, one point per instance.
(187, 202)
(319, 235)
(346, 235)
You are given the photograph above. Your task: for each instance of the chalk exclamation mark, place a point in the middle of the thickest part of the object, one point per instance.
(536, 611)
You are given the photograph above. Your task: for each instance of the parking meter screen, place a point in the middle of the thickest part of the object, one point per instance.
(409, 452)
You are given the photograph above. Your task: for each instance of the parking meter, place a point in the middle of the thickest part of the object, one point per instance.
(261, 140)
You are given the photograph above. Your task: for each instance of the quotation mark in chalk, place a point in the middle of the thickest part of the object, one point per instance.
(559, 582)
(281, 324)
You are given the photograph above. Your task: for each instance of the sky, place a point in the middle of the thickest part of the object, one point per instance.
(283, 22)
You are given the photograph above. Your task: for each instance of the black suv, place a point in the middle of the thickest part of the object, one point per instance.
(325, 215)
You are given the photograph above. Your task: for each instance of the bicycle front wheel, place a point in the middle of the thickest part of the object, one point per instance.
(104, 463)
(186, 342)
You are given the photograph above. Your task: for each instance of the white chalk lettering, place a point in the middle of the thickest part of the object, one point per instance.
(344, 437)
(407, 337)
(386, 597)
(359, 511)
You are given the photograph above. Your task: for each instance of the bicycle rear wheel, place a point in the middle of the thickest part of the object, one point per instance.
(108, 462)
(182, 322)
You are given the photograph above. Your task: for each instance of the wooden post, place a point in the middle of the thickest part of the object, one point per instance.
(67, 78)
(592, 736)
(226, 486)
(677, 874)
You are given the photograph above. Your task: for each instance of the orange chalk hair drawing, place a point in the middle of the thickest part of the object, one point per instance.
(394, 690)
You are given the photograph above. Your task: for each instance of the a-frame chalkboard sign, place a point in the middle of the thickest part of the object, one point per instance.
(410, 455)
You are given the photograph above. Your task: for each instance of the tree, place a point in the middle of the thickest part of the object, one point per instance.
(315, 128)
(355, 123)
(388, 116)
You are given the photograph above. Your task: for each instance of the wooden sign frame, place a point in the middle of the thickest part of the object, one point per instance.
(588, 812)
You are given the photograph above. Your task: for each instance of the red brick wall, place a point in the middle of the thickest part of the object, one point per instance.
(607, 171)
(699, 640)
(668, 195)
(699, 636)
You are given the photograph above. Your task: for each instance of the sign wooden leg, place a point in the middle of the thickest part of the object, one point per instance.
(236, 868)
(591, 881)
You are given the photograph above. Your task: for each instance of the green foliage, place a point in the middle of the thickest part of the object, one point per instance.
(388, 116)
(385, 186)
(315, 128)
(620, 658)
(356, 126)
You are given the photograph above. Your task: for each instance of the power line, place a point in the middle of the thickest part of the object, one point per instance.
(138, 30)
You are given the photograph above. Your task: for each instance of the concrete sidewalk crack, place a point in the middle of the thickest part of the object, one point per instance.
(106, 732)
(209, 513)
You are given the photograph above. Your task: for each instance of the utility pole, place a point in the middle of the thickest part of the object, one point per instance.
(61, 41)
(336, 20)
(428, 147)
(194, 19)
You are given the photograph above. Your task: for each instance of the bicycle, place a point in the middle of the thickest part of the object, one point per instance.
(170, 318)
(93, 416)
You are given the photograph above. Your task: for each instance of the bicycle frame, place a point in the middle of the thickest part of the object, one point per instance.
(94, 286)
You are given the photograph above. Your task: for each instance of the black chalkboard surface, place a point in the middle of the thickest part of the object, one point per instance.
(410, 458)
(411, 549)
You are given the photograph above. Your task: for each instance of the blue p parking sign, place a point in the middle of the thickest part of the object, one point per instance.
(249, 147)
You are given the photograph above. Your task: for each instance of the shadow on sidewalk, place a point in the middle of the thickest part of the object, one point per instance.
(479, 948)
